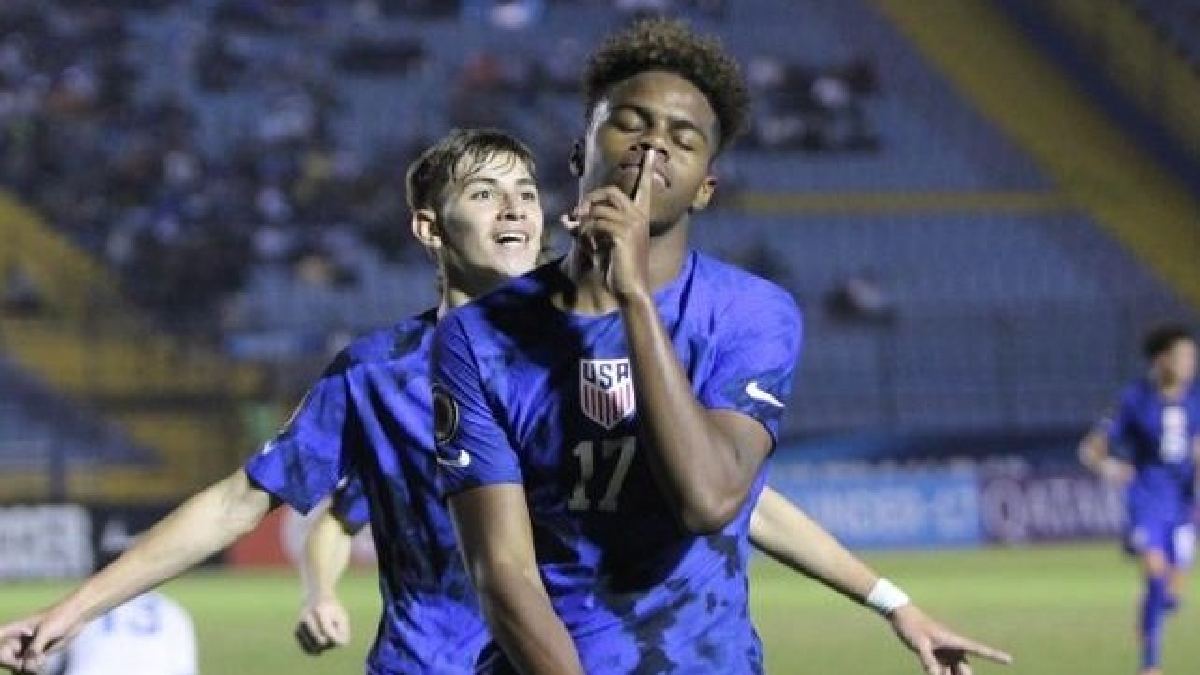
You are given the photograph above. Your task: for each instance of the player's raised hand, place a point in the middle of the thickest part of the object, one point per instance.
(615, 229)
(941, 651)
(324, 624)
(25, 644)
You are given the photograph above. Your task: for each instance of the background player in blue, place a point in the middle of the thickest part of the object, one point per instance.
(602, 422)
(475, 205)
(1154, 436)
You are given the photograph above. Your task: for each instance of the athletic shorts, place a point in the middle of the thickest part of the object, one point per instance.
(1176, 541)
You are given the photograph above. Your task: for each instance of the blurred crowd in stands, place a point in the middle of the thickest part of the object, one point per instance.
(123, 170)
(1177, 21)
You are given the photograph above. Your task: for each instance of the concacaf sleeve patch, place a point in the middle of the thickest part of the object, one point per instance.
(445, 415)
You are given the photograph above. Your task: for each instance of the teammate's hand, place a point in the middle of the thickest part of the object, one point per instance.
(941, 651)
(324, 624)
(12, 641)
(26, 644)
(615, 229)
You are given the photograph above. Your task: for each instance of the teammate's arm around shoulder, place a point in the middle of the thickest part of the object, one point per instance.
(496, 539)
(785, 533)
(203, 525)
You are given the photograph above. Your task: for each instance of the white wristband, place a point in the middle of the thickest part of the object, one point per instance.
(886, 597)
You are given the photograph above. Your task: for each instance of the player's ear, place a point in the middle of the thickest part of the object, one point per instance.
(704, 194)
(576, 159)
(427, 229)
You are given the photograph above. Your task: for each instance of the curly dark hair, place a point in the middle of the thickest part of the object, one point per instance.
(666, 44)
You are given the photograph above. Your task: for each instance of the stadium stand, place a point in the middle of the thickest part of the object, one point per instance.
(244, 188)
(1178, 19)
(1144, 50)
(38, 429)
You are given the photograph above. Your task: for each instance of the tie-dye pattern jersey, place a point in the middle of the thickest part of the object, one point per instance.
(350, 505)
(526, 393)
(368, 423)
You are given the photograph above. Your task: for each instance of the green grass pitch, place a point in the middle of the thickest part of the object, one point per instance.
(1061, 611)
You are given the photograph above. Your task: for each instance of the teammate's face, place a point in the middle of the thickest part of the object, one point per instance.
(654, 109)
(1178, 364)
(490, 224)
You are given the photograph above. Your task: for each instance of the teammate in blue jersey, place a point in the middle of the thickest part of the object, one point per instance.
(366, 428)
(1150, 444)
(369, 416)
(602, 422)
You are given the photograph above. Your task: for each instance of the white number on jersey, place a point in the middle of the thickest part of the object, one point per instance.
(624, 448)
(138, 617)
(1173, 445)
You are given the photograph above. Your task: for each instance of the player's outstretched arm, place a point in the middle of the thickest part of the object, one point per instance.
(200, 527)
(785, 533)
(324, 621)
(496, 539)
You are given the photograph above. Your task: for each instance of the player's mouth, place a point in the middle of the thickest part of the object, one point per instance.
(630, 170)
(512, 239)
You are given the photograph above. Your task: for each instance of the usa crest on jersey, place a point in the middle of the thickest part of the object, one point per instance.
(606, 390)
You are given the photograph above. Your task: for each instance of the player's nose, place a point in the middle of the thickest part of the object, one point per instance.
(652, 140)
(512, 209)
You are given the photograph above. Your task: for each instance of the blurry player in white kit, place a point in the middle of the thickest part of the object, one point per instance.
(149, 635)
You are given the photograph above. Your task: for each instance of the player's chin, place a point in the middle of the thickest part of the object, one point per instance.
(514, 263)
(664, 220)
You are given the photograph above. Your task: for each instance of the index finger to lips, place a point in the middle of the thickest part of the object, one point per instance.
(645, 179)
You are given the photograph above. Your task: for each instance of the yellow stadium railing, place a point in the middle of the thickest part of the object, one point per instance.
(88, 343)
(1147, 66)
(1094, 165)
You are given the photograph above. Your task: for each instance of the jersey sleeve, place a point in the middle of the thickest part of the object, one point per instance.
(473, 448)
(306, 460)
(757, 347)
(349, 505)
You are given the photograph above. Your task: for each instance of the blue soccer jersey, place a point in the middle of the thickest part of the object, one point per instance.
(349, 504)
(1158, 438)
(370, 417)
(527, 393)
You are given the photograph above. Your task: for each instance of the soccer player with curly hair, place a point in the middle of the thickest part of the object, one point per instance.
(602, 423)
